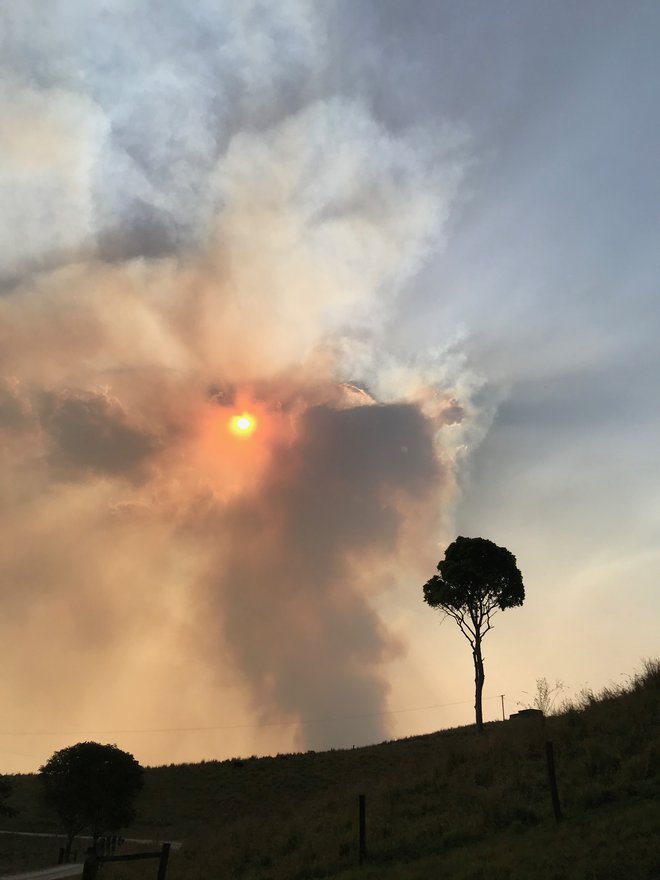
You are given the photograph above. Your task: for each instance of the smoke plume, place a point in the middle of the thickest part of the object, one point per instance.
(197, 223)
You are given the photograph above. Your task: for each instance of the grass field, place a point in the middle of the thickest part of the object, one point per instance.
(451, 804)
(25, 853)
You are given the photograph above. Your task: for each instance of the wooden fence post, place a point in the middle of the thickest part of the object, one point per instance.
(362, 827)
(552, 778)
(90, 867)
(162, 864)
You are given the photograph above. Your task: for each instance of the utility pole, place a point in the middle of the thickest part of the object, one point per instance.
(502, 698)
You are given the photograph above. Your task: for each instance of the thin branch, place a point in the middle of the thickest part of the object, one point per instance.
(463, 626)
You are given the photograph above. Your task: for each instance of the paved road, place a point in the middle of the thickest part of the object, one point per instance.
(71, 870)
(175, 844)
(48, 873)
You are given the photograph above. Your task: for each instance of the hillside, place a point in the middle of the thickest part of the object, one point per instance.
(448, 804)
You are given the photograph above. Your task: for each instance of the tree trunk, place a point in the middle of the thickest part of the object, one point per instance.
(479, 677)
(69, 843)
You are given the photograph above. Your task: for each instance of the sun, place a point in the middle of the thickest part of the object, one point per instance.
(242, 424)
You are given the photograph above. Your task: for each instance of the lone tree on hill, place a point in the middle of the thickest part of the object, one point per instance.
(476, 579)
(91, 786)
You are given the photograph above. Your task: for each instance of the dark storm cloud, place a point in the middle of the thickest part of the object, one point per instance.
(91, 433)
(293, 565)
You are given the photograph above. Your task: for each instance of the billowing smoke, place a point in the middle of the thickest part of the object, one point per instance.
(298, 556)
(197, 223)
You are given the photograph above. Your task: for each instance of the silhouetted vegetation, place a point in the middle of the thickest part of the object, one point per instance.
(91, 786)
(477, 578)
(444, 805)
(6, 789)
(546, 696)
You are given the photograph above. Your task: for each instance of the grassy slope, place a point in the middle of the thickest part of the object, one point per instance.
(449, 804)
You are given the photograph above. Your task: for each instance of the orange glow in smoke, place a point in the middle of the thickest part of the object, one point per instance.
(234, 445)
(242, 425)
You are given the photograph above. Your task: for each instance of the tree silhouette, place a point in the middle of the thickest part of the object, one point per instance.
(6, 789)
(91, 786)
(477, 578)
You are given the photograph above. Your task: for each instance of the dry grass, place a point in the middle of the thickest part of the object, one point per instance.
(449, 804)
(26, 853)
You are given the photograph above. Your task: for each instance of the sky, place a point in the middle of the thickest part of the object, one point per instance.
(418, 244)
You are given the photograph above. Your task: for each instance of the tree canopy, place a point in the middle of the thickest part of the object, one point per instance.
(92, 786)
(476, 579)
(476, 576)
(6, 789)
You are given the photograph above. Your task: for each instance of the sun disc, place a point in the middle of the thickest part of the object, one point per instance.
(243, 424)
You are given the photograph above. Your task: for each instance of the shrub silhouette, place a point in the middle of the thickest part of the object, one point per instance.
(91, 786)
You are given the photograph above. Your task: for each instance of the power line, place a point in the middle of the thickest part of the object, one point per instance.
(236, 726)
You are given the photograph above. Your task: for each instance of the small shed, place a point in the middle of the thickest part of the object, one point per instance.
(527, 713)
